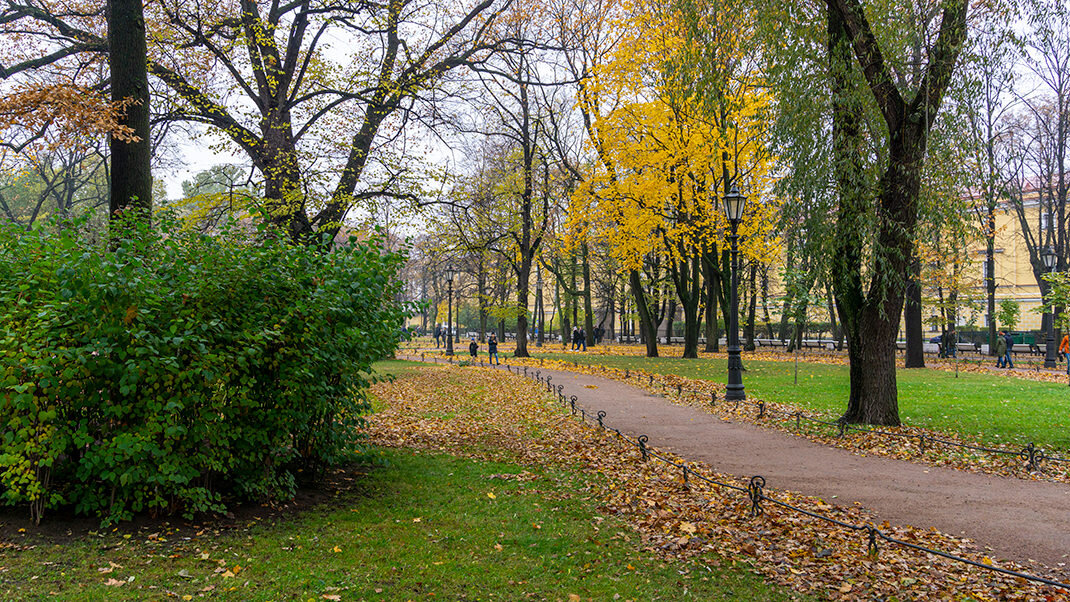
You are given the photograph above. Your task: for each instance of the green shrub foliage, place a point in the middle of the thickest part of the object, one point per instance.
(179, 371)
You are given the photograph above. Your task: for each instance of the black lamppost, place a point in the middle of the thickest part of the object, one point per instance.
(539, 326)
(733, 210)
(1049, 258)
(450, 273)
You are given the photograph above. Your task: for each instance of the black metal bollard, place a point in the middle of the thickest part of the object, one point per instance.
(680, 391)
(572, 401)
(642, 446)
(761, 409)
(601, 415)
(713, 398)
(549, 387)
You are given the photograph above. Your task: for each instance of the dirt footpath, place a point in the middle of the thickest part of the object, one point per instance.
(1018, 519)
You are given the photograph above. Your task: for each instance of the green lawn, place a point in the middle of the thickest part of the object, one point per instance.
(991, 407)
(424, 527)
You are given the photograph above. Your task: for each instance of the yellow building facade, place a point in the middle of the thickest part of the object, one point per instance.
(1013, 273)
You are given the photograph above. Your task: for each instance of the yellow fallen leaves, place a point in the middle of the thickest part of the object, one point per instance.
(491, 495)
(515, 419)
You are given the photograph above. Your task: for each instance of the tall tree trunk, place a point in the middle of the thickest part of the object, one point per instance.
(765, 303)
(748, 327)
(915, 356)
(646, 324)
(990, 273)
(131, 172)
(588, 307)
(871, 318)
(713, 295)
(481, 285)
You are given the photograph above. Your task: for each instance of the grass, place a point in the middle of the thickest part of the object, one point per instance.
(423, 527)
(990, 407)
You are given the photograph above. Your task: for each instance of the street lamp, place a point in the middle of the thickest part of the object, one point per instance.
(450, 273)
(539, 326)
(733, 210)
(1049, 258)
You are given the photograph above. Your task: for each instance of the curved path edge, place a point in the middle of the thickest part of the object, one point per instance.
(1017, 519)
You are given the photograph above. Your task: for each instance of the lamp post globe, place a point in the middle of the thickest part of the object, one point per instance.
(450, 273)
(1050, 259)
(734, 203)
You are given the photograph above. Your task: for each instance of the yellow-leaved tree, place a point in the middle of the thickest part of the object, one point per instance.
(687, 122)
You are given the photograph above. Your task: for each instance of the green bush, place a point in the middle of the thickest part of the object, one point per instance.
(179, 371)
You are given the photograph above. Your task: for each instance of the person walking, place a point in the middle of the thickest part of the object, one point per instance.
(473, 348)
(575, 339)
(1001, 351)
(1064, 350)
(492, 349)
(1009, 362)
(438, 335)
(582, 339)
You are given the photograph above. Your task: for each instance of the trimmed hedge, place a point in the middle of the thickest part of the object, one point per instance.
(179, 371)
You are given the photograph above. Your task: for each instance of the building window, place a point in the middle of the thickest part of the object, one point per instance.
(1045, 221)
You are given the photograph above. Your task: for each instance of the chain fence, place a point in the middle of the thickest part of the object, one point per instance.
(755, 489)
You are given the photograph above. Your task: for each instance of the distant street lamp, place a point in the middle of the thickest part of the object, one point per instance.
(538, 303)
(1049, 258)
(733, 210)
(450, 273)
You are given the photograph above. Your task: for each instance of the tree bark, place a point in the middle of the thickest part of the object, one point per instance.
(871, 318)
(131, 173)
(713, 295)
(915, 356)
(752, 307)
(646, 324)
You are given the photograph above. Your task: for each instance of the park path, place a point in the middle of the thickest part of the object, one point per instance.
(1018, 519)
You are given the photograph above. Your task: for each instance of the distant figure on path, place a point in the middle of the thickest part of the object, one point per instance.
(473, 348)
(575, 338)
(582, 339)
(1001, 351)
(1009, 362)
(492, 348)
(438, 335)
(1064, 350)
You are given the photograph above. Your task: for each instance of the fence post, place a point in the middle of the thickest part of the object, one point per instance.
(549, 387)
(601, 415)
(761, 409)
(680, 391)
(713, 398)
(754, 489)
(573, 402)
(1033, 457)
(872, 551)
(642, 446)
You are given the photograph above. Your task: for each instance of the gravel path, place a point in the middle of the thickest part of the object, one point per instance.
(1018, 519)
